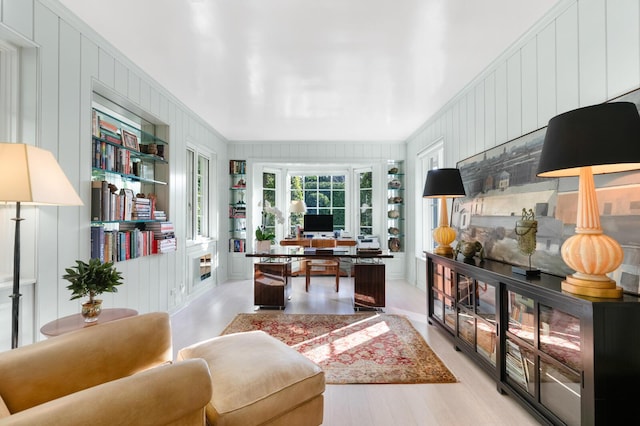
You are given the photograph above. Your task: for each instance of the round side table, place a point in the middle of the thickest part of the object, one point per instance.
(76, 322)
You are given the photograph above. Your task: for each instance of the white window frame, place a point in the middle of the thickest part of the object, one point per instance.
(427, 213)
(199, 204)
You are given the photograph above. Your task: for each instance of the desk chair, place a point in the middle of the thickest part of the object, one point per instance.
(329, 265)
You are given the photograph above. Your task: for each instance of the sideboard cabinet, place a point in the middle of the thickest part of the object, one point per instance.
(568, 359)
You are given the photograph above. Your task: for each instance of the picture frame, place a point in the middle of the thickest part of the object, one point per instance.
(130, 140)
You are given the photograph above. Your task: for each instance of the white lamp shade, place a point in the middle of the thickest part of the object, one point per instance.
(31, 175)
(298, 206)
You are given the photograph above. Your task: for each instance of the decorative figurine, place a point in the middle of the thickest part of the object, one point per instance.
(469, 249)
(526, 229)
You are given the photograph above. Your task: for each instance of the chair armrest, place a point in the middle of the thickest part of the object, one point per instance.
(166, 395)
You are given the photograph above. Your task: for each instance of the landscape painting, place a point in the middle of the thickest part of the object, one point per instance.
(501, 182)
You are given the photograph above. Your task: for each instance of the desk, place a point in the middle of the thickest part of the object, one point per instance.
(76, 321)
(271, 284)
(309, 242)
(369, 284)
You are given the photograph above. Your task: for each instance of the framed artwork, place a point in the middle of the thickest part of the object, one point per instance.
(502, 181)
(130, 140)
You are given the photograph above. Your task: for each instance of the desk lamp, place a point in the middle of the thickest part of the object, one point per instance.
(297, 207)
(443, 184)
(597, 139)
(30, 175)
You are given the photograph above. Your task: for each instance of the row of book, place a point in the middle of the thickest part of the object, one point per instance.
(109, 204)
(113, 159)
(130, 242)
(237, 167)
(237, 245)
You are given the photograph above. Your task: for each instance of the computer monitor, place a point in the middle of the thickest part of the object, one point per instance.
(318, 223)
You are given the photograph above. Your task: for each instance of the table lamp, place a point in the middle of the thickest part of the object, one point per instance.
(297, 207)
(592, 140)
(30, 175)
(443, 184)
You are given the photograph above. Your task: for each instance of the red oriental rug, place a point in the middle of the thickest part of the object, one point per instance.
(358, 348)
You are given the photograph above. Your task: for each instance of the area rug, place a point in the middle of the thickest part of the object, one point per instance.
(359, 348)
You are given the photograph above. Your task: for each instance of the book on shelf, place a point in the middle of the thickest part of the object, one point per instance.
(96, 200)
(237, 245)
(159, 215)
(97, 243)
(106, 125)
(237, 167)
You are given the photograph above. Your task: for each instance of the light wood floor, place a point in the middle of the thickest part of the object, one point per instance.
(474, 400)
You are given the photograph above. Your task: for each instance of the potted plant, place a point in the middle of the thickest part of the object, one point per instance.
(92, 279)
(264, 240)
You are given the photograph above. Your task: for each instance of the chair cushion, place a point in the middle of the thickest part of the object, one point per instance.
(4, 411)
(255, 377)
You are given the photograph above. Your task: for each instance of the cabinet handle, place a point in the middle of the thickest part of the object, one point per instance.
(497, 330)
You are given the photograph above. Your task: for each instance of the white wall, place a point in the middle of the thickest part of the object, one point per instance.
(583, 52)
(71, 61)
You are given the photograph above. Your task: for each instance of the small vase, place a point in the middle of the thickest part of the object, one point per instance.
(91, 310)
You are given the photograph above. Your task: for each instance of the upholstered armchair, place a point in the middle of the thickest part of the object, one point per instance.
(116, 373)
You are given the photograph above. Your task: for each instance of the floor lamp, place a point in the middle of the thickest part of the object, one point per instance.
(30, 175)
(597, 139)
(443, 184)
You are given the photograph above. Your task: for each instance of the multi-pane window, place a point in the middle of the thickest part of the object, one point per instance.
(198, 190)
(323, 194)
(269, 187)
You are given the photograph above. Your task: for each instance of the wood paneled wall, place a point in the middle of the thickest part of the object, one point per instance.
(583, 52)
(72, 61)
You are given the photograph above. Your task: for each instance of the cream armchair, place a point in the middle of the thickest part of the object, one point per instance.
(116, 373)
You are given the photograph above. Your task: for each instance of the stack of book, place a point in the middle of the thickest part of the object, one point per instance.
(159, 215)
(164, 237)
(141, 209)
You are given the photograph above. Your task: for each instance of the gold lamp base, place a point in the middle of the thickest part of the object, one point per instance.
(601, 289)
(444, 250)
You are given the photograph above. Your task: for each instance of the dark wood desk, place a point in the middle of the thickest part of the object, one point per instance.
(369, 283)
(309, 242)
(76, 321)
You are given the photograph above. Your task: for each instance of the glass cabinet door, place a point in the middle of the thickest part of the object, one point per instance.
(559, 335)
(486, 325)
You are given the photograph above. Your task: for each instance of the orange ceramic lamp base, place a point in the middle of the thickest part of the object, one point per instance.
(444, 235)
(590, 252)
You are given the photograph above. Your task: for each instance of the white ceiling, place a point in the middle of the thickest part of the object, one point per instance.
(309, 70)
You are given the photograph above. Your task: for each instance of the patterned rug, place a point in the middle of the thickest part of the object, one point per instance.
(358, 348)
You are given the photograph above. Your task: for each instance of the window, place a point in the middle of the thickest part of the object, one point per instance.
(365, 202)
(269, 187)
(199, 172)
(429, 159)
(8, 92)
(323, 194)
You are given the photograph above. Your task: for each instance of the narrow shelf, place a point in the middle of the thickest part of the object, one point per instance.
(135, 178)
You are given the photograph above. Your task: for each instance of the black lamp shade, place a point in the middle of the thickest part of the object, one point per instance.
(605, 137)
(443, 183)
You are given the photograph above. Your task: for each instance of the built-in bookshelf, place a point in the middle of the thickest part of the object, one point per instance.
(129, 173)
(237, 206)
(395, 206)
